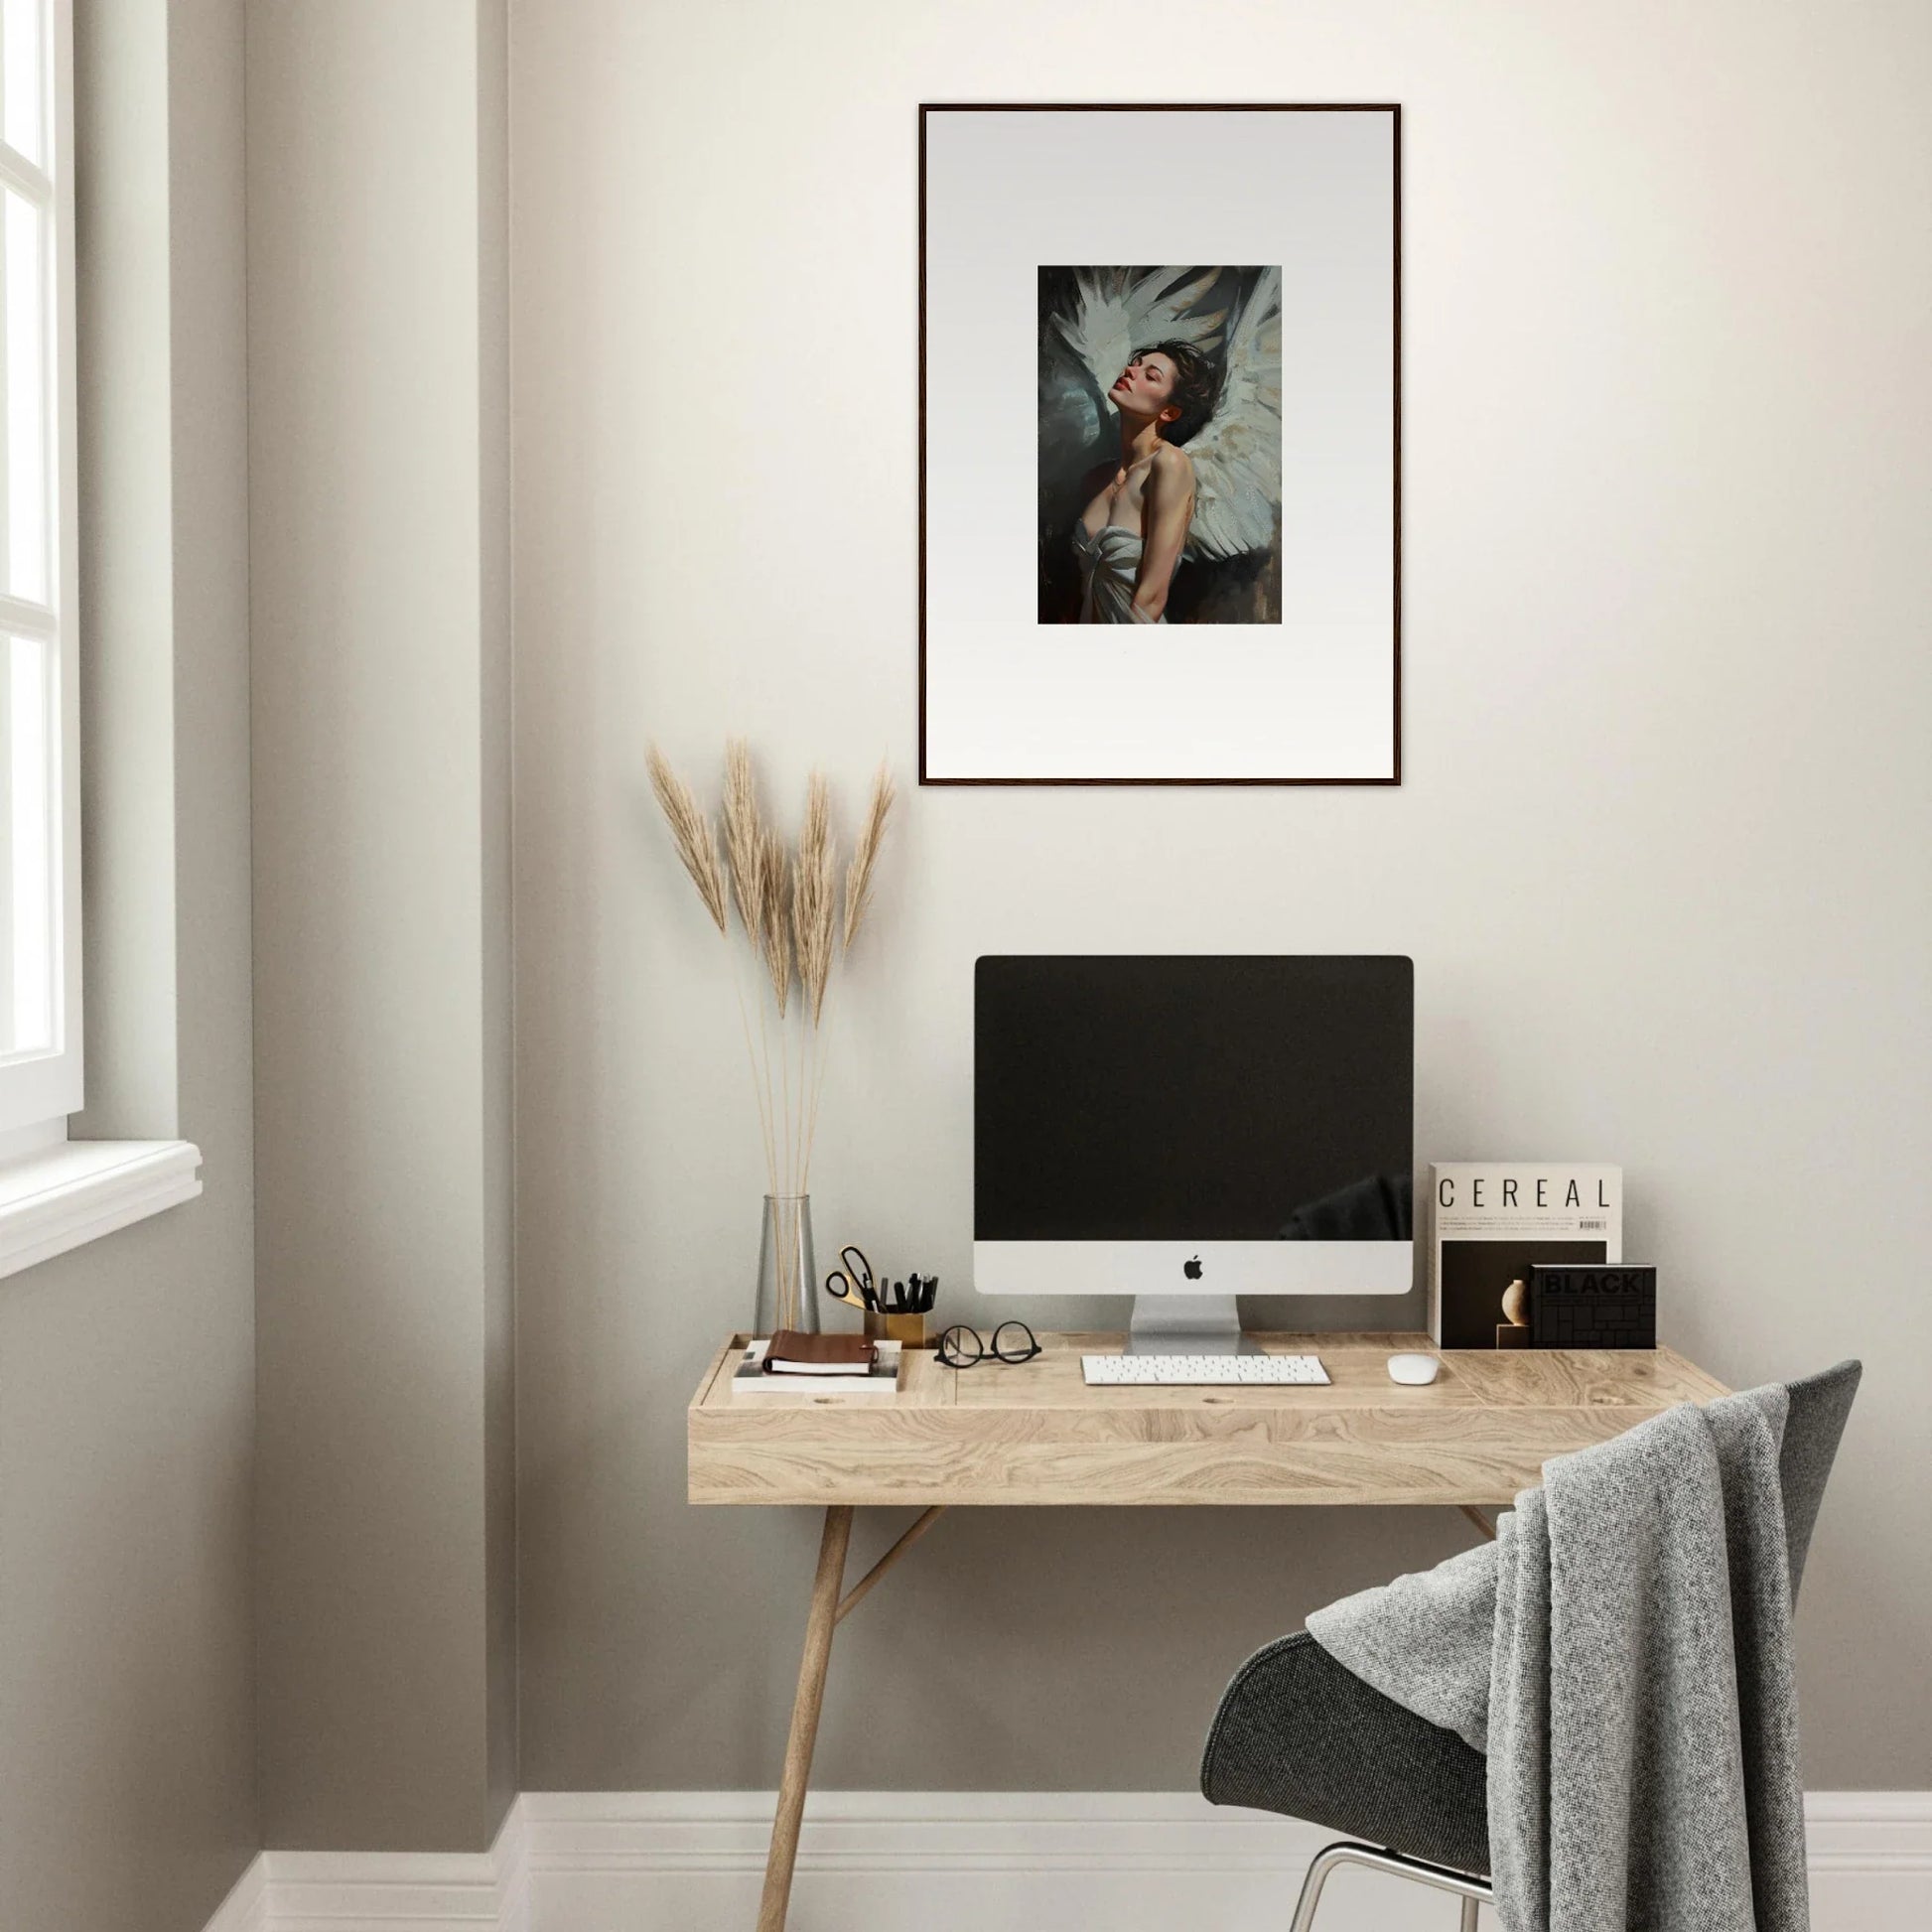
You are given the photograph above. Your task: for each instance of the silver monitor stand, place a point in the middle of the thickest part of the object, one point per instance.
(1186, 1325)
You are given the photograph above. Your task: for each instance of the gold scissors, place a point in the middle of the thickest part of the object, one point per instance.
(852, 1281)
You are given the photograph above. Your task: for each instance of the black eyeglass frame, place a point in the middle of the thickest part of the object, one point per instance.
(948, 1348)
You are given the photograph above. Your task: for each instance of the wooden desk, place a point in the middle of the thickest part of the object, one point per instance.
(1033, 1434)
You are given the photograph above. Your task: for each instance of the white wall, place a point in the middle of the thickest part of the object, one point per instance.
(127, 1719)
(377, 418)
(1660, 851)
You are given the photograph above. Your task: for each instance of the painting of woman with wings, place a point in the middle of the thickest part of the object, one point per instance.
(1160, 445)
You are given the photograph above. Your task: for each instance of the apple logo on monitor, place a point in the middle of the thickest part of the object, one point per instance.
(1191, 1269)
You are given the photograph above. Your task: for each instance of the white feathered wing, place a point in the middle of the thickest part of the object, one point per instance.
(1237, 455)
(1237, 458)
(1118, 313)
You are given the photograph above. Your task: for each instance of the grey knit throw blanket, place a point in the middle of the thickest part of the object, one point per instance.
(1622, 1652)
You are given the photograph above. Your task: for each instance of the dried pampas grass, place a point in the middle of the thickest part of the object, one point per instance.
(775, 918)
(744, 834)
(814, 896)
(787, 908)
(865, 855)
(691, 833)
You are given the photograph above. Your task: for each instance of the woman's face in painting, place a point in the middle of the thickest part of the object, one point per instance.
(1145, 387)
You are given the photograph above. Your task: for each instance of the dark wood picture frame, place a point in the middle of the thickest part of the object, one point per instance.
(1394, 110)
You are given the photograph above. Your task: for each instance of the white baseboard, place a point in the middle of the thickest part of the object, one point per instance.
(1871, 1860)
(955, 1862)
(245, 1909)
(387, 1891)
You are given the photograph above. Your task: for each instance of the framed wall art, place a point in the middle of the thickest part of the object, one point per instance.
(1159, 445)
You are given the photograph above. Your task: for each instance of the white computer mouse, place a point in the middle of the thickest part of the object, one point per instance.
(1414, 1369)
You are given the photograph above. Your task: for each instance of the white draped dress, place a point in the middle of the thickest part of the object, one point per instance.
(1109, 564)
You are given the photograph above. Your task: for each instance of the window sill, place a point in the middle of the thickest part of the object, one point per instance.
(79, 1190)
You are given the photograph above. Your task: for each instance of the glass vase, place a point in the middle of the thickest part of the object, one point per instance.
(788, 1273)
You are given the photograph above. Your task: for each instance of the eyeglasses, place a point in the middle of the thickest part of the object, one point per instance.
(1013, 1342)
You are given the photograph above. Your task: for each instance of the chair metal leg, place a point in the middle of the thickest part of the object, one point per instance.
(1472, 1892)
(1325, 1862)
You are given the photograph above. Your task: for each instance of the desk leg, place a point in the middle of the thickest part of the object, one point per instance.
(819, 1621)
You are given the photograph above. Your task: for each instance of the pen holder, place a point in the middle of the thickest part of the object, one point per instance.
(908, 1329)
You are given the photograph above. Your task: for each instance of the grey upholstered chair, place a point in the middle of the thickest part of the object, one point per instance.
(1298, 1733)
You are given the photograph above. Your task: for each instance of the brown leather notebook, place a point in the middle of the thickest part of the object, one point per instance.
(793, 1353)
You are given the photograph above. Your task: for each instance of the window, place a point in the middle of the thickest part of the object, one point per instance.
(39, 898)
(56, 1193)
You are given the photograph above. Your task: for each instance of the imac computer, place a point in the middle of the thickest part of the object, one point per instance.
(1186, 1128)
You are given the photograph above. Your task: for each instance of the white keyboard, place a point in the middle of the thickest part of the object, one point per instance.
(1201, 1371)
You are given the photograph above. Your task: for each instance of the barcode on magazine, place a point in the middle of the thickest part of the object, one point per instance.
(1600, 1225)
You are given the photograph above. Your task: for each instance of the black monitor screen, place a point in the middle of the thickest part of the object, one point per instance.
(1192, 1099)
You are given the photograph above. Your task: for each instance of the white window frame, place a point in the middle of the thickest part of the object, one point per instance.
(55, 1193)
(39, 1090)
